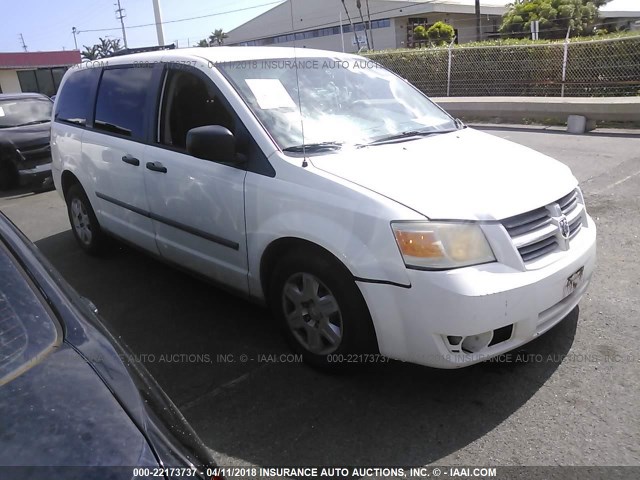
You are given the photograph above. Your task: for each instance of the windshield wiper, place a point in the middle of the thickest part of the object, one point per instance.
(405, 135)
(314, 147)
(35, 122)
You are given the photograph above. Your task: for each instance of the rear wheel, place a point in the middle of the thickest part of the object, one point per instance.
(320, 309)
(84, 223)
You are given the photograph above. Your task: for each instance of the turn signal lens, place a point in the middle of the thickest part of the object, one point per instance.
(439, 245)
(419, 244)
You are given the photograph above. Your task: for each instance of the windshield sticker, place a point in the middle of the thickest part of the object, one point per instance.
(1, 112)
(270, 93)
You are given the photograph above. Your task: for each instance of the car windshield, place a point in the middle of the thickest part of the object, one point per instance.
(27, 331)
(24, 111)
(331, 102)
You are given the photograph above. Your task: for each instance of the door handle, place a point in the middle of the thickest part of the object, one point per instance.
(156, 167)
(131, 160)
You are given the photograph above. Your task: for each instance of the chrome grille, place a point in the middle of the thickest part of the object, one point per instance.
(535, 233)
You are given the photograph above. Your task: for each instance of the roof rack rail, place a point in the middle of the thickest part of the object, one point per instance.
(129, 51)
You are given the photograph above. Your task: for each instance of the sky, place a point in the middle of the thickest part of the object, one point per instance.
(46, 24)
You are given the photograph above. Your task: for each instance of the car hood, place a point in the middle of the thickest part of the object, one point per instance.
(465, 175)
(60, 413)
(30, 136)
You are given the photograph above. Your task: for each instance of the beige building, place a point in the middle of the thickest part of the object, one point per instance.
(324, 24)
(38, 72)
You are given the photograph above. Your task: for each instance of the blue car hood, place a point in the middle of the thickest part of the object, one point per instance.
(60, 413)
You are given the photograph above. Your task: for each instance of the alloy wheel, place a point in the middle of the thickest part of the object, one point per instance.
(312, 313)
(81, 221)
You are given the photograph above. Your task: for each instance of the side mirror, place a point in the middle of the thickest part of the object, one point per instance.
(212, 142)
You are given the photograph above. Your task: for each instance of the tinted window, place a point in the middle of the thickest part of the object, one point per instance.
(189, 102)
(57, 73)
(74, 100)
(45, 82)
(121, 101)
(42, 80)
(28, 82)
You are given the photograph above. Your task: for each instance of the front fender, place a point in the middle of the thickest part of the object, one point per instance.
(351, 223)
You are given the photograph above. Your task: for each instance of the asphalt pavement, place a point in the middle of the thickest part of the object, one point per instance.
(569, 398)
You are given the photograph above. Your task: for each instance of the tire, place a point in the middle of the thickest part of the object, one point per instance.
(8, 176)
(320, 309)
(84, 224)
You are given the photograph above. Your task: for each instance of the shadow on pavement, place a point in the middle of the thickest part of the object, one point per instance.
(21, 192)
(625, 133)
(269, 413)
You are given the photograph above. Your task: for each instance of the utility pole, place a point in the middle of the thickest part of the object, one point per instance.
(158, 17)
(120, 14)
(364, 24)
(24, 47)
(370, 31)
(75, 41)
(353, 27)
(478, 22)
(341, 31)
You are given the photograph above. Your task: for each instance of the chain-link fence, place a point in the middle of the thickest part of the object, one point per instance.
(594, 68)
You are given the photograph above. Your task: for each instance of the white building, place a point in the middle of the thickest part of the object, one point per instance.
(620, 14)
(324, 24)
(317, 23)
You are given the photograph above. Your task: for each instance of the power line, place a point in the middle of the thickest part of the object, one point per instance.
(184, 19)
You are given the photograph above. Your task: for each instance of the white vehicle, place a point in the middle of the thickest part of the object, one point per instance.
(330, 189)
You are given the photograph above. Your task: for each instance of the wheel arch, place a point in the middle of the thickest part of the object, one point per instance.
(281, 246)
(67, 180)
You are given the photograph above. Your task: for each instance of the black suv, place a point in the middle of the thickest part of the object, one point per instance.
(25, 131)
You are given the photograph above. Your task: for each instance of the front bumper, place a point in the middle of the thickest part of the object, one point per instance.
(37, 175)
(417, 324)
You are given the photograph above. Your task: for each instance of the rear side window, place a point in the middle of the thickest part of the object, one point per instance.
(122, 96)
(75, 98)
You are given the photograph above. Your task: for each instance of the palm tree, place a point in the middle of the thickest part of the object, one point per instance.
(107, 47)
(90, 53)
(203, 43)
(217, 37)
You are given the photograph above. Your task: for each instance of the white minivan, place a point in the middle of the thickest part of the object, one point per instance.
(372, 223)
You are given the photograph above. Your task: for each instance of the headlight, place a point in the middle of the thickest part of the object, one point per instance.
(439, 245)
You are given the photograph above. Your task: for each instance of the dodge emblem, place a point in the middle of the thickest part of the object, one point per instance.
(563, 224)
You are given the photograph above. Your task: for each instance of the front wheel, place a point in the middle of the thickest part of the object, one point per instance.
(84, 223)
(320, 308)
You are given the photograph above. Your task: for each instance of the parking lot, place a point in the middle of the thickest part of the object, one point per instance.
(569, 398)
